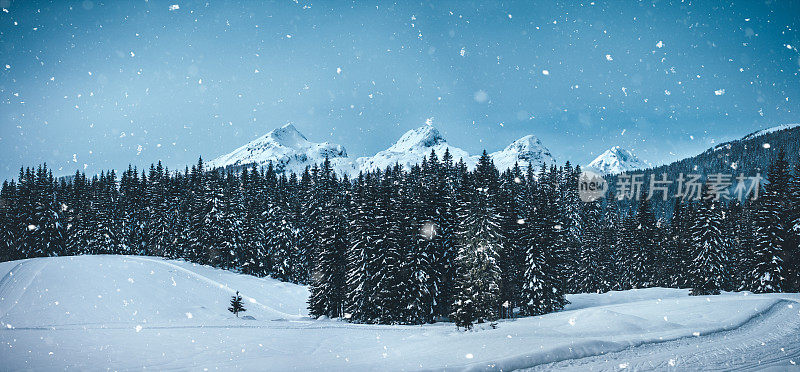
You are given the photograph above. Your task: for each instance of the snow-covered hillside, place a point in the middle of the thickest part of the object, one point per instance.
(128, 312)
(288, 150)
(770, 130)
(411, 148)
(617, 160)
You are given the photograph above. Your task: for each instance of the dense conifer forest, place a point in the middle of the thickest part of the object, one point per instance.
(434, 242)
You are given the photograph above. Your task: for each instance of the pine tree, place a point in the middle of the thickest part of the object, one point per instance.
(792, 243)
(643, 260)
(237, 306)
(589, 274)
(478, 282)
(769, 271)
(627, 245)
(610, 227)
(328, 279)
(707, 264)
(543, 289)
(8, 229)
(680, 242)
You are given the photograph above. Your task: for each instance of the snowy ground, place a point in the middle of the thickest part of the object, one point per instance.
(123, 313)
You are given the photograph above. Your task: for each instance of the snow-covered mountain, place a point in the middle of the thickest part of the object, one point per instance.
(411, 148)
(617, 160)
(288, 150)
(524, 151)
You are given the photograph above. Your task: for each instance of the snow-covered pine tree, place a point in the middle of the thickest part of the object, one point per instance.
(282, 245)
(417, 287)
(8, 228)
(328, 279)
(103, 217)
(680, 243)
(792, 244)
(610, 226)
(390, 254)
(235, 214)
(510, 199)
(590, 275)
(24, 212)
(643, 259)
(707, 261)
(305, 210)
(627, 243)
(542, 290)
(571, 227)
(363, 238)
(769, 271)
(733, 229)
(194, 235)
(443, 185)
(478, 281)
(160, 223)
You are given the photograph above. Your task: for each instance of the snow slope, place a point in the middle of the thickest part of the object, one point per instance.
(288, 150)
(126, 312)
(617, 160)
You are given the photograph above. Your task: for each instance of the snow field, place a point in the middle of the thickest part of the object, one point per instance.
(127, 312)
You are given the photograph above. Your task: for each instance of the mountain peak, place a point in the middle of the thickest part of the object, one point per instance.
(287, 149)
(422, 137)
(411, 148)
(524, 151)
(525, 143)
(617, 160)
(288, 136)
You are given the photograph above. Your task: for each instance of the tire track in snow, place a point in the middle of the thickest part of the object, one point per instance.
(770, 338)
(16, 282)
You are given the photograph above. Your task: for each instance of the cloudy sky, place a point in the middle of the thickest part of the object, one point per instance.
(97, 85)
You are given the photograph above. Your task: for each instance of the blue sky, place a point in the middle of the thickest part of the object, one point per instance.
(99, 85)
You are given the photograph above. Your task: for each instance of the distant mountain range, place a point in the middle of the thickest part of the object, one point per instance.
(290, 151)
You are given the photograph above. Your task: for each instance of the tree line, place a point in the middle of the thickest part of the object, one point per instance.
(434, 242)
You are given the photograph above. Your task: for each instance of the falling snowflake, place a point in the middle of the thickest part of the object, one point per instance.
(481, 96)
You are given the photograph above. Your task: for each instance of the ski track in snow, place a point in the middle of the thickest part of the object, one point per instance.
(16, 282)
(769, 339)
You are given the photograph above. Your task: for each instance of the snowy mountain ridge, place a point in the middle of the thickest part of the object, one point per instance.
(770, 130)
(617, 160)
(411, 148)
(290, 151)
